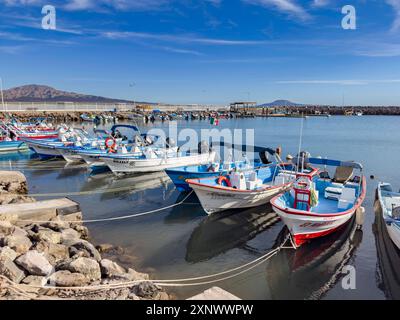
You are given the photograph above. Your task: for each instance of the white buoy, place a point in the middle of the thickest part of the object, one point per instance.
(360, 217)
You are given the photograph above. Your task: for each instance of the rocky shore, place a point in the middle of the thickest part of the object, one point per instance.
(58, 254)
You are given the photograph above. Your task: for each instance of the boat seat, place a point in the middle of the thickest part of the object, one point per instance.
(334, 192)
(343, 174)
(347, 198)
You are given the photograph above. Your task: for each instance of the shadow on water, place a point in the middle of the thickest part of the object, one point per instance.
(387, 269)
(190, 210)
(224, 231)
(313, 269)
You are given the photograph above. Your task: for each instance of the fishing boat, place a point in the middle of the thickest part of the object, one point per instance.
(242, 188)
(87, 118)
(12, 146)
(317, 205)
(155, 160)
(390, 205)
(66, 137)
(180, 175)
(116, 143)
(17, 132)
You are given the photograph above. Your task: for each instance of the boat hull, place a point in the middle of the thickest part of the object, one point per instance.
(216, 199)
(44, 151)
(307, 227)
(131, 165)
(179, 178)
(394, 233)
(70, 155)
(12, 146)
(393, 228)
(92, 160)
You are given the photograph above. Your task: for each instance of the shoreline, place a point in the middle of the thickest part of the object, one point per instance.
(51, 246)
(247, 112)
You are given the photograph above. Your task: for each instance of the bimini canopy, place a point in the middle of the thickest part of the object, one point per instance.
(335, 163)
(245, 148)
(124, 126)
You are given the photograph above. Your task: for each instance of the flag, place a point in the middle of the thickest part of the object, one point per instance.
(214, 121)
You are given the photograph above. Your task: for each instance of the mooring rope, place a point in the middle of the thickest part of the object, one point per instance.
(112, 218)
(84, 193)
(184, 282)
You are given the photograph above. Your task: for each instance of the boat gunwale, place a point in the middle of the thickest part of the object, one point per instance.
(297, 212)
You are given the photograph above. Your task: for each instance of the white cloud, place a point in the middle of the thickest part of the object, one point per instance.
(290, 7)
(321, 3)
(179, 38)
(395, 4)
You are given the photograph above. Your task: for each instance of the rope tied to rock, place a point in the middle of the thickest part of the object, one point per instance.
(184, 282)
(112, 218)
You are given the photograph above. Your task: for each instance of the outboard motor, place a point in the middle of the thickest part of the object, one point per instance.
(170, 143)
(264, 157)
(302, 160)
(203, 147)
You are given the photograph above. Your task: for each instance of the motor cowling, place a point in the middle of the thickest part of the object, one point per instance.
(170, 143)
(264, 157)
(203, 147)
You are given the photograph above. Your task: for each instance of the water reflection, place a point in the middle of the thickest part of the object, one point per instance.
(224, 231)
(190, 210)
(312, 270)
(121, 186)
(387, 269)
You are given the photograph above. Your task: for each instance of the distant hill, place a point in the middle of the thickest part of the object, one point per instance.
(281, 103)
(40, 93)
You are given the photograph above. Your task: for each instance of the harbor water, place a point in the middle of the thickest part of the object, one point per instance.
(184, 242)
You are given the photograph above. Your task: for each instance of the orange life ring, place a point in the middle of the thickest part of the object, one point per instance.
(110, 143)
(224, 179)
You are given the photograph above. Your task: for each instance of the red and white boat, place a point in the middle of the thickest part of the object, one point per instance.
(317, 205)
(16, 132)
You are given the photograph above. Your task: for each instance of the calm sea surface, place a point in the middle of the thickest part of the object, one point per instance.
(183, 242)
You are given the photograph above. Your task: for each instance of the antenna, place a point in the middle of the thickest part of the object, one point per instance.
(300, 142)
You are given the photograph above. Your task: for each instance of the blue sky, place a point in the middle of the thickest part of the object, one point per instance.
(207, 51)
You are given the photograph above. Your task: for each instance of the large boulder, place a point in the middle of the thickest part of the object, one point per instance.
(65, 278)
(7, 252)
(83, 231)
(69, 235)
(35, 263)
(10, 270)
(6, 228)
(84, 246)
(110, 268)
(13, 181)
(20, 244)
(88, 267)
(49, 235)
(146, 290)
(13, 198)
(53, 252)
(10, 217)
(35, 280)
(19, 232)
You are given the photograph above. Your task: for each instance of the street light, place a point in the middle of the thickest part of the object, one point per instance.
(2, 96)
(131, 85)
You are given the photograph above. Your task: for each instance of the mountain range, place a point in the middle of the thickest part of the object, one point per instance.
(41, 93)
(281, 103)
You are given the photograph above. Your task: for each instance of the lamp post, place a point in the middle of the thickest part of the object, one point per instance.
(2, 96)
(131, 85)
